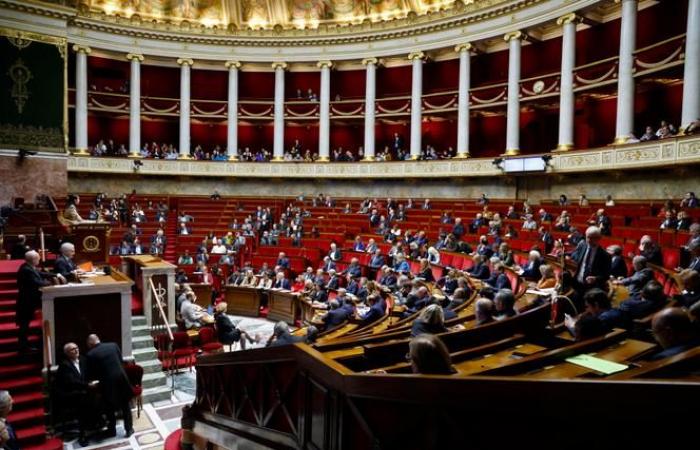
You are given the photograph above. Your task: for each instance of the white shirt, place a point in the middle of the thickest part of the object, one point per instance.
(76, 363)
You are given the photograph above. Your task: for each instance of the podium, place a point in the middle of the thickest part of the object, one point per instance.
(91, 242)
(99, 304)
(283, 306)
(146, 268)
(242, 300)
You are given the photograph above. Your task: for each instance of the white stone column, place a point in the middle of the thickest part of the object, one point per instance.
(624, 125)
(185, 65)
(567, 101)
(691, 74)
(416, 102)
(464, 51)
(81, 98)
(324, 126)
(278, 142)
(135, 105)
(232, 128)
(370, 97)
(513, 110)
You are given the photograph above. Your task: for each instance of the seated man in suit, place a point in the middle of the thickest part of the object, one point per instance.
(377, 260)
(328, 264)
(375, 312)
(73, 389)
(641, 276)
(479, 270)
(531, 270)
(504, 301)
(650, 299)
(388, 278)
(354, 269)
(690, 280)
(498, 279)
(281, 336)
(281, 282)
(335, 315)
(333, 280)
(674, 331)
(64, 264)
(618, 267)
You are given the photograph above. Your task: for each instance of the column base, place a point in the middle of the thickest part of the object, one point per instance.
(621, 140)
(564, 148)
(81, 152)
(134, 155)
(323, 159)
(233, 158)
(461, 156)
(369, 158)
(184, 157)
(277, 159)
(414, 158)
(512, 152)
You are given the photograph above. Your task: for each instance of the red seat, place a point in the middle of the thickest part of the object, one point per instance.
(182, 350)
(672, 257)
(134, 373)
(208, 342)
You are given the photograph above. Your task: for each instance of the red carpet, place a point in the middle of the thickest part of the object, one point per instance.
(172, 442)
(21, 374)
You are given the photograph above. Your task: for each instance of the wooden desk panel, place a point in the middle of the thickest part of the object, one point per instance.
(283, 306)
(497, 359)
(242, 301)
(203, 293)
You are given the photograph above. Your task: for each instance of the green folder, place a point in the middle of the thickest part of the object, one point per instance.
(597, 364)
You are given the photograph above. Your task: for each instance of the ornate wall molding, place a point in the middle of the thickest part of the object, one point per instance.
(434, 31)
(671, 152)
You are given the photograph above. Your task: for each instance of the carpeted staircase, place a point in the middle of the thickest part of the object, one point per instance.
(21, 373)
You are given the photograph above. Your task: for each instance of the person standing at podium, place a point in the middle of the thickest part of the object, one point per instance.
(29, 280)
(64, 264)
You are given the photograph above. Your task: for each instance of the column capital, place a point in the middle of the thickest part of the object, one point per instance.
(514, 35)
(234, 64)
(622, 1)
(569, 18)
(371, 60)
(279, 65)
(185, 61)
(132, 56)
(324, 64)
(416, 55)
(82, 49)
(466, 47)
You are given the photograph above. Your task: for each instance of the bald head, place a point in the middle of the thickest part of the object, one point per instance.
(93, 340)
(672, 327)
(67, 249)
(32, 257)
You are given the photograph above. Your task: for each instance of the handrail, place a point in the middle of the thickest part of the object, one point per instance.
(161, 310)
(660, 43)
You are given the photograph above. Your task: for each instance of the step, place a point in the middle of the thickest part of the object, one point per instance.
(144, 354)
(25, 400)
(10, 329)
(138, 321)
(10, 343)
(151, 380)
(19, 370)
(151, 366)
(7, 305)
(49, 444)
(8, 294)
(156, 394)
(8, 358)
(35, 434)
(7, 316)
(138, 330)
(27, 417)
(142, 342)
(8, 284)
(19, 384)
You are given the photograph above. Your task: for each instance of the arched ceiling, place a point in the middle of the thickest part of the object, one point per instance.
(256, 14)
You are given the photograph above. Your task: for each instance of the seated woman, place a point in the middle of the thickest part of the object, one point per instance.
(429, 356)
(227, 331)
(265, 281)
(548, 280)
(425, 272)
(431, 320)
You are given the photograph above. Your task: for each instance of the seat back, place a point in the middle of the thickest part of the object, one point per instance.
(206, 335)
(134, 373)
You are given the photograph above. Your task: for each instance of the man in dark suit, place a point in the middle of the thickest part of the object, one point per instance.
(479, 270)
(73, 388)
(64, 264)
(283, 261)
(333, 281)
(20, 248)
(618, 267)
(281, 336)
(335, 315)
(281, 282)
(104, 364)
(641, 276)
(594, 263)
(29, 280)
(376, 310)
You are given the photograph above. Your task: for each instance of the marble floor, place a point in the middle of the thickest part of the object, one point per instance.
(159, 419)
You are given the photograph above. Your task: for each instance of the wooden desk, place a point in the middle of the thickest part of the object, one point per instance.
(242, 301)
(101, 305)
(145, 268)
(283, 306)
(203, 293)
(91, 242)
